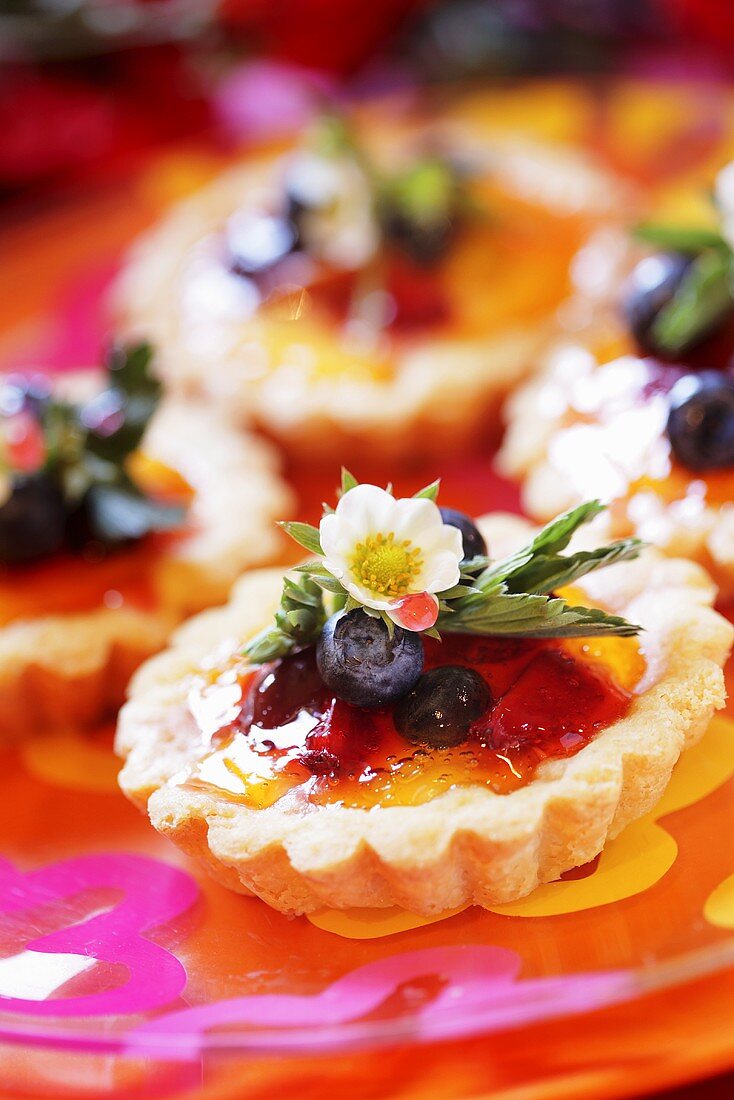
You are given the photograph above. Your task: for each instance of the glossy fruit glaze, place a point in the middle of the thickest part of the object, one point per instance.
(326, 323)
(277, 733)
(613, 442)
(96, 578)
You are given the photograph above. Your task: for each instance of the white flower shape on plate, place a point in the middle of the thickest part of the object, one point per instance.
(384, 551)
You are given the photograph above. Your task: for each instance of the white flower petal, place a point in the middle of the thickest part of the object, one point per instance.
(358, 592)
(330, 534)
(368, 511)
(415, 518)
(442, 572)
(366, 508)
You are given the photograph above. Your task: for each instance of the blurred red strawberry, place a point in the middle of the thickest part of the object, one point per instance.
(708, 22)
(56, 121)
(333, 35)
(49, 125)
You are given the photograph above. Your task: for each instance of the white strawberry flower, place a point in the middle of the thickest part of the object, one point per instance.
(391, 555)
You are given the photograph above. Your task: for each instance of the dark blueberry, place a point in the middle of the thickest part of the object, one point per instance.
(362, 664)
(443, 706)
(419, 210)
(311, 185)
(32, 520)
(650, 287)
(258, 242)
(472, 540)
(424, 244)
(701, 420)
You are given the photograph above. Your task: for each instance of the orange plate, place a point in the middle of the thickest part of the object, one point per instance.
(125, 972)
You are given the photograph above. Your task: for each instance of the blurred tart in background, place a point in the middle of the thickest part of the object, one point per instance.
(119, 517)
(637, 405)
(340, 754)
(381, 286)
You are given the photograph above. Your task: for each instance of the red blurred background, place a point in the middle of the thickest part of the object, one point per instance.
(88, 86)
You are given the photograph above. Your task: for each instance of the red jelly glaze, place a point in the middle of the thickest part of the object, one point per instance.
(548, 704)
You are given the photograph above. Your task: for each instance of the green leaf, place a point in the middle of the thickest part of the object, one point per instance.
(131, 397)
(474, 565)
(301, 593)
(305, 535)
(510, 595)
(552, 538)
(119, 513)
(129, 369)
(430, 492)
(515, 614)
(299, 621)
(349, 481)
(425, 192)
(679, 238)
(546, 573)
(456, 592)
(557, 534)
(702, 299)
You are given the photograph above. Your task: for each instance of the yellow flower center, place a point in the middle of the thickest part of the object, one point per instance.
(386, 567)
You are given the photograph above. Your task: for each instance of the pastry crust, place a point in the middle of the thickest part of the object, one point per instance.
(440, 390)
(73, 668)
(468, 844)
(561, 465)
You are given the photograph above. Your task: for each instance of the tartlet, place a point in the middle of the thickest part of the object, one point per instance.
(314, 367)
(437, 845)
(637, 404)
(76, 625)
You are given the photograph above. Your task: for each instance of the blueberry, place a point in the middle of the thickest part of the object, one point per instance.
(442, 707)
(419, 210)
(32, 520)
(362, 664)
(701, 420)
(423, 244)
(312, 185)
(257, 242)
(473, 542)
(650, 287)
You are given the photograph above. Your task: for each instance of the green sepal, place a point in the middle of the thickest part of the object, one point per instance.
(348, 482)
(299, 621)
(429, 492)
(304, 534)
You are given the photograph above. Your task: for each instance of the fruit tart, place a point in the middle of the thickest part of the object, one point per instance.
(379, 286)
(120, 515)
(440, 712)
(639, 407)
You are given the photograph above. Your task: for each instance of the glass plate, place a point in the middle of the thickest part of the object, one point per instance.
(126, 972)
